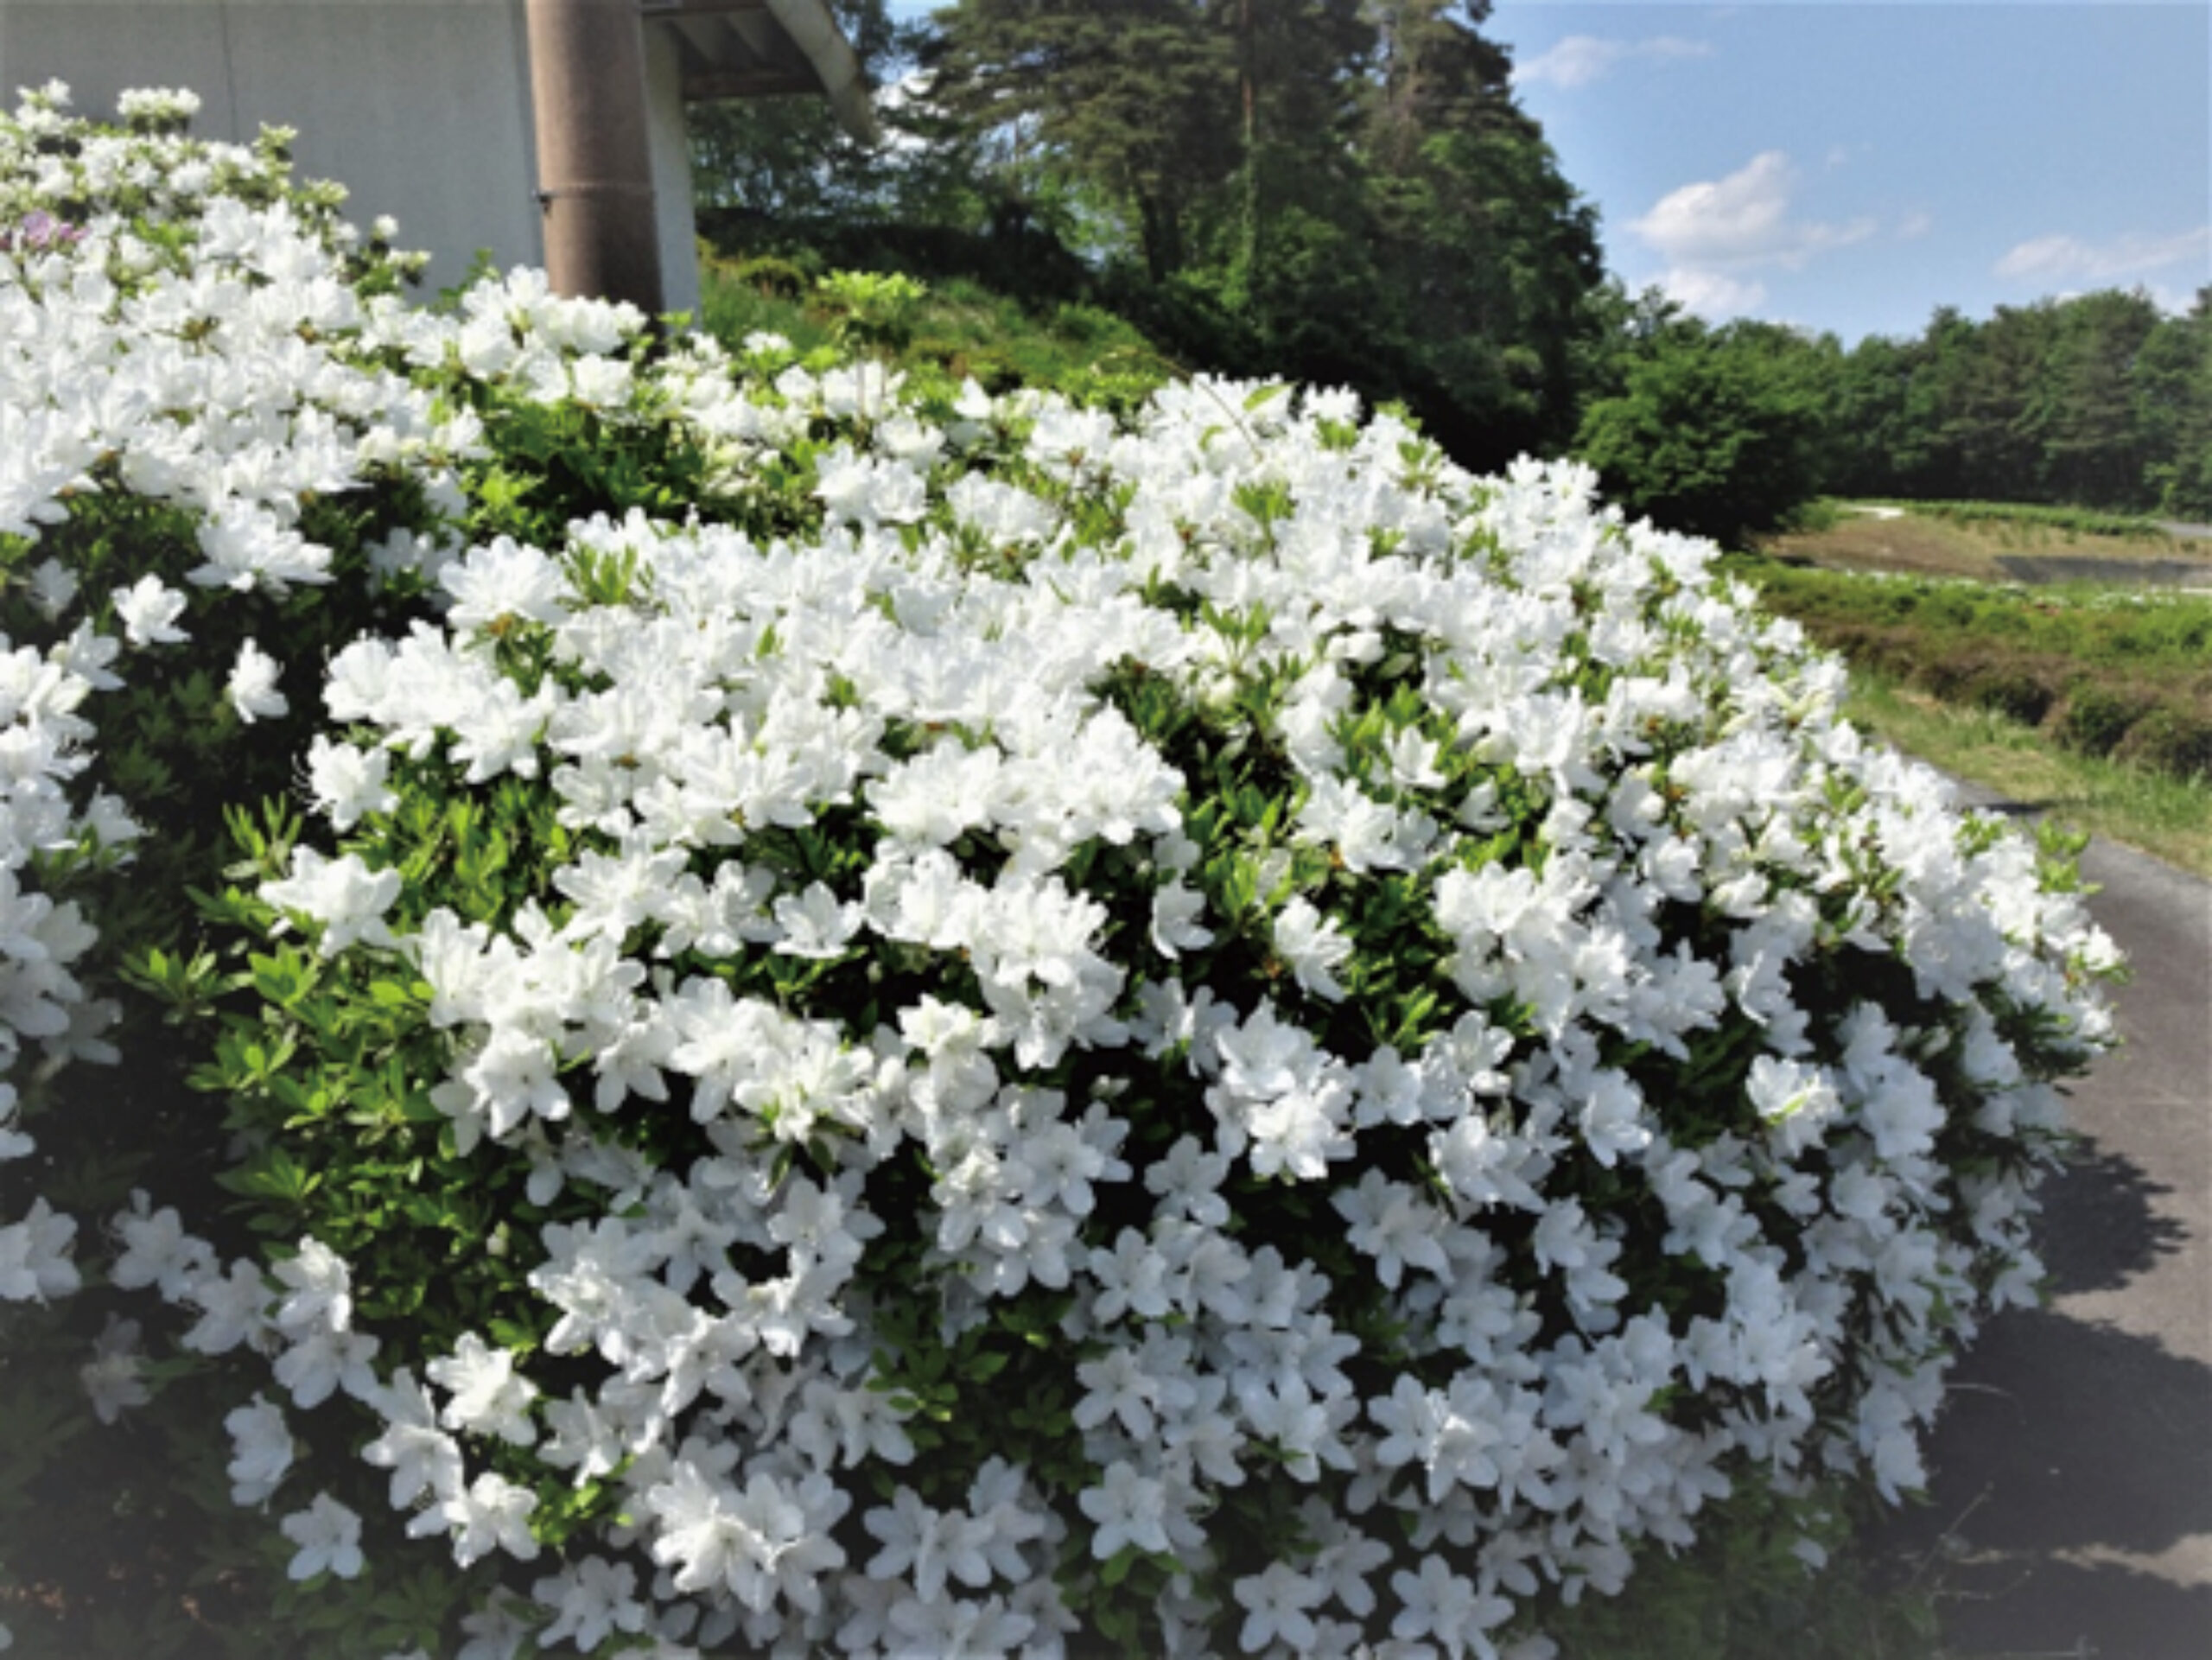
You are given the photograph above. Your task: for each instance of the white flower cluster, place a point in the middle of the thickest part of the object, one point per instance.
(232, 383)
(1378, 980)
(226, 383)
(1718, 862)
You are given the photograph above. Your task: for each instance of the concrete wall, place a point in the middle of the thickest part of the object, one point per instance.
(421, 107)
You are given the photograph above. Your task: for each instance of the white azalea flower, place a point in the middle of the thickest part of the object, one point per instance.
(264, 1450)
(147, 610)
(114, 1378)
(329, 1540)
(252, 685)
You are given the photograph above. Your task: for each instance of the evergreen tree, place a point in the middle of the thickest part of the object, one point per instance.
(1136, 97)
(1342, 191)
(2082, 407)
(1985, 405)
(2095, 400)
(2173, 409)
(1493, 254)
(1875, 442)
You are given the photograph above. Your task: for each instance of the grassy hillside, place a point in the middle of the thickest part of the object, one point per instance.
(957, 325)
(2095, 702)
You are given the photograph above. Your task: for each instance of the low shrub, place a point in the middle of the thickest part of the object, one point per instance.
(1814, 517)
(2090, 665)
(2019, 692)
(2170, 739)
(990, 370)
(1950, 678)
(1088, 323)
(768, 274)
(1891, 651)
(886, 1019)
(2095, 719)
(2015, 694)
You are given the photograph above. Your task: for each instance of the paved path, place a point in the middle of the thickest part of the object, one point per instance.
(2071, 1509)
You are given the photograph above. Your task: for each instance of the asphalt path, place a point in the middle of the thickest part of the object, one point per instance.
(2070, 1505)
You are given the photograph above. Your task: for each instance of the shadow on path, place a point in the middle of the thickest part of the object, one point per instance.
(2103, 1227)
(2071, 1502)
(2028, 1528)
(2071, 1455)
(2137, 1617)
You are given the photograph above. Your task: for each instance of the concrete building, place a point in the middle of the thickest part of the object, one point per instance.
(424, 109)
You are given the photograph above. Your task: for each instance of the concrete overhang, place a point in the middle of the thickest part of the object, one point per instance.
(767, 49)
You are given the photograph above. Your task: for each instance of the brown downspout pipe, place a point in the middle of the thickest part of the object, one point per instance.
(594, 173)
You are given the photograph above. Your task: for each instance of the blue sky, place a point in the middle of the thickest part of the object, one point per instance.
(1852, 166)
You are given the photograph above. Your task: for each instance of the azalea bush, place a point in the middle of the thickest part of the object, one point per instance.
(767, 1007)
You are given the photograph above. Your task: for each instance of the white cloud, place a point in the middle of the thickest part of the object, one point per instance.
(1742, 220)
(1580, 59)
(1711, 294)
(2060, 258)
(1917, 223)
(2172, 301)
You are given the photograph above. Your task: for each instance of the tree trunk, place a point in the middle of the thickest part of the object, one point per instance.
(1161, 233)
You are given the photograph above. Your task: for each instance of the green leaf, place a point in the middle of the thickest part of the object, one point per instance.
(1119, 1564)
(283, 978)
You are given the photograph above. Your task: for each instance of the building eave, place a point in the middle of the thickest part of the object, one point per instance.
(767, 49)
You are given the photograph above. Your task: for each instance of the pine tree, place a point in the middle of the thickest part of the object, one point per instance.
(1136, 97)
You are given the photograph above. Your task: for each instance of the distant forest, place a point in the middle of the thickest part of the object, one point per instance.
(1346, 192)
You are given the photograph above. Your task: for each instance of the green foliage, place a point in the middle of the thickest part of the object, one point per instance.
(2174, 740)
(733, 307)
(868, 311)
(960, 329)
(770, 274)
(778, 158)
(1768, 1575)
(1347, 194)
(1712, 433)
(2097, 400)
(1138, 101)
(2095, 718)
